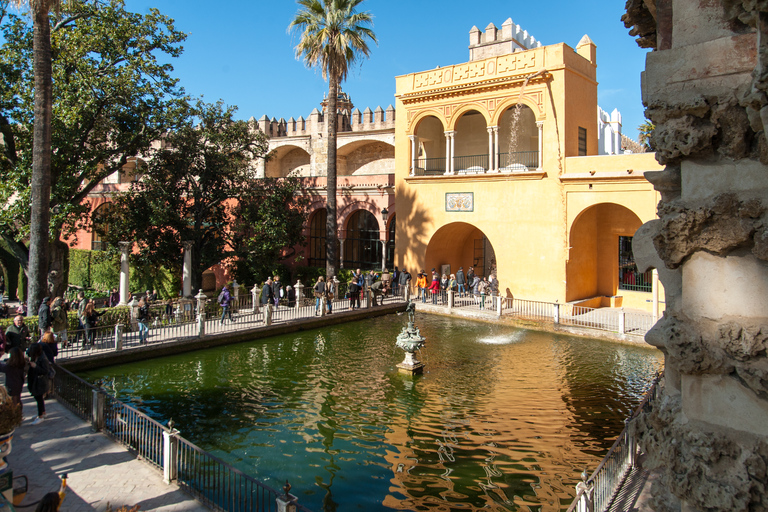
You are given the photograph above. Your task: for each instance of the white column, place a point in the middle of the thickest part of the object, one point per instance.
(384, 251)
(341, 252)
(453, 152)
(491, 152)
(496, 145)
(449, 152)
(186, 272)
(540, 126)
(125, 280)
(414, 153)
(261, 168)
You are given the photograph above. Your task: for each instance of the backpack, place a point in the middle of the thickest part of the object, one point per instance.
(221, 298)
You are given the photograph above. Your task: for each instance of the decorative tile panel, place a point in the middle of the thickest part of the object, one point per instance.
(459, 201)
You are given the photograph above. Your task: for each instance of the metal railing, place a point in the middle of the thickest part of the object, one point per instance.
(429, 166)
(469, 164)
(518, 161)
(206, 477)
(596, 493)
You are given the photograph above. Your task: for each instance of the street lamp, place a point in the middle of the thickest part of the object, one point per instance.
(384, 214)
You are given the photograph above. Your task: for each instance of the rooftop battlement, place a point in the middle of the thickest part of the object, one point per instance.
(494, 42)
(355, 121)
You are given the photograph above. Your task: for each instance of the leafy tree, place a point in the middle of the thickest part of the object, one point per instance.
(198, 187)
(333, 36)
(269, 223)
(112, 97)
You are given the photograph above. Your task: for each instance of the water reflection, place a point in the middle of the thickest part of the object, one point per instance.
(501, 418)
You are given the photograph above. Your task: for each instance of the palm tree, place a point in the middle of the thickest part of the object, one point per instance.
(41, 150)
(333, 36)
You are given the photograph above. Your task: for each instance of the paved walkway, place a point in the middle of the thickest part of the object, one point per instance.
(98, 470)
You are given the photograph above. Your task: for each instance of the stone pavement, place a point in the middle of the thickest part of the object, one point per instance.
(99, 471)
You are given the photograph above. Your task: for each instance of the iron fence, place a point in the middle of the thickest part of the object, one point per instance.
(470, 164)
(429, 166)
(596, 493)
(208, 478)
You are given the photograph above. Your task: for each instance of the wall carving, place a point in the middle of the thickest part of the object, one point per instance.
(505, 65)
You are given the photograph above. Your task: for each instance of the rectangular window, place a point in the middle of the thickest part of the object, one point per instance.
(582, 141)
(629, 277)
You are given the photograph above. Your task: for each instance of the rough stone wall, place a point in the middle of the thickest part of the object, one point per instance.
(705, 90)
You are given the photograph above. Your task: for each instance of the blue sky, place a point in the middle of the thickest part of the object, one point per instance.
(240, 51)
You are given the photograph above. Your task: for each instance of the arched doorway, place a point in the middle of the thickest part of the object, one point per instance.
(362, 246)
(460, 245)
(600, 261)
(317, 238)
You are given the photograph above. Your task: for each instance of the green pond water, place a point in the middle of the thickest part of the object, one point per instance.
(502, 418)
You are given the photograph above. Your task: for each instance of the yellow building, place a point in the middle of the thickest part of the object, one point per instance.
(497, 167)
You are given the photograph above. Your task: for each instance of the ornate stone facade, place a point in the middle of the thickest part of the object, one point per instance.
(705, 90)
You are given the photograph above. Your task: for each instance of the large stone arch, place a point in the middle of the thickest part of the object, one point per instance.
(592, 268)
(365, 157)
(514, 100)
(288, 160)
(460, 244)
(413, 124)
(345, 213)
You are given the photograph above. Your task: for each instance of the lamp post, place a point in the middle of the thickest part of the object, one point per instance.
(384, 217)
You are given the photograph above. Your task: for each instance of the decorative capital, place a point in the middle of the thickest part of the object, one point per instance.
(125, 246)
(188, 245)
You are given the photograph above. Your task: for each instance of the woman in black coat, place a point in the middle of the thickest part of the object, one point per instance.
(38, 379)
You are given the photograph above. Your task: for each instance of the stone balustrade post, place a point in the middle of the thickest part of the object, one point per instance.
(97, 416)
(499, 304)
(255, 297)
(170, 453)
(557, 313)
(268, 314)
(118, 337)
(236, 289)
(323, 305)
(450, 300)
(201, 300)
(299, 293)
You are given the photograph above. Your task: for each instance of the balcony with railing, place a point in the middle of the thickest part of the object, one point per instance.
(520, 161)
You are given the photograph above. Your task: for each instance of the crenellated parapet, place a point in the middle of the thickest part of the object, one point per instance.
(314, 124)
(493, 42)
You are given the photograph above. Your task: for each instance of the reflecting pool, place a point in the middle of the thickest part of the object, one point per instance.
(502, 419)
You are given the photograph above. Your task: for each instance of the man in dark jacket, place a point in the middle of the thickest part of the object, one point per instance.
(267, 296)
(17, 335)
(461, 281)
(277, 287)
(44, 319)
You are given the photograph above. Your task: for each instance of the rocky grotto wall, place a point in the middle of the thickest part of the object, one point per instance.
(705, 88)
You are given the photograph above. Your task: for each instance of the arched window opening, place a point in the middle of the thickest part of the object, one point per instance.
(100, 227)
(317, 239)
(362, 247)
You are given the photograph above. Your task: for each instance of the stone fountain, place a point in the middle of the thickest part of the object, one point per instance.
(410, 340)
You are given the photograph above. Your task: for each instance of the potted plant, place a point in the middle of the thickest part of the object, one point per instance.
(10, 418)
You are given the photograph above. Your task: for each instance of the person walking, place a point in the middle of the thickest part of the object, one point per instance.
(143, 320)
(15, 369)
(434, 288)
(50, 349)
(267, 297)
(38, 379)
(44, 315)
(277, 290)
(474, 290)
(290, 295)
(330, 292)
(225, 301)
(405, 281)
(60, 322)
(354, 295)
(461, 281)
(319, 291)
(421, 284)
(91, 317)
(395, 281)
(17, 335)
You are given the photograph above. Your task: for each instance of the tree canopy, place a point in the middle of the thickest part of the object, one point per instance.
(113, 94)
(198, 187)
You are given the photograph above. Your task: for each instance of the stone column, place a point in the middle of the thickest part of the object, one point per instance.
(705, 86)
(186, 272)
(414, 153)
(261, 168)
(125, 278)
(491, 159)
(384, 251)
(496, 145)
(540, 127)
(449, 152)
(341, 252)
